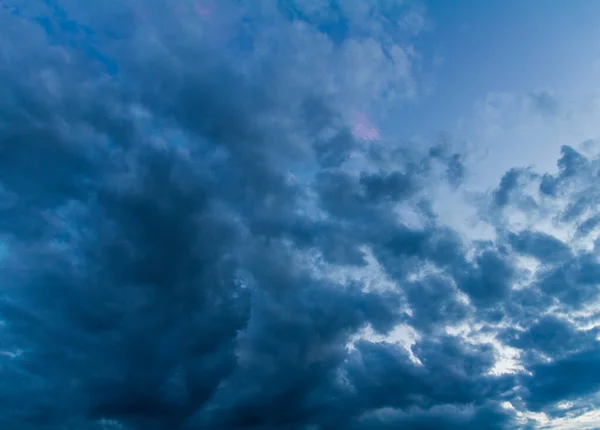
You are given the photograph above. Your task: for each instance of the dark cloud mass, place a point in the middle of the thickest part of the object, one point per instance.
(185, 207)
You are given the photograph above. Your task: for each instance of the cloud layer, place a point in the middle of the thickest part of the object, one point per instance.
(202, 227)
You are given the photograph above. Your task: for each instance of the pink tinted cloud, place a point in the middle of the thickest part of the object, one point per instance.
(363, 128)
(203, 9)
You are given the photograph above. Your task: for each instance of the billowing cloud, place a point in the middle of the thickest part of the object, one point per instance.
(195, 235)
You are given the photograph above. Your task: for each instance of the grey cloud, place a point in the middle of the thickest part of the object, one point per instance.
(544, 247)
(588, 225)
(182, 197)
(564, 379)
(510, 182)
(571, 164)
(573, 282)
(488, 279)
(445, 417)
(148, 283)
(552, 336)
(434, 303)
(545, 103)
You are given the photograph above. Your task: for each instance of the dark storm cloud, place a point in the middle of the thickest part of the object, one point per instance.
(488, 279)
(552, 336)
(182, 191)
(565, 275)
(434, 303)
(559, 352)
(567, 378)
(148, 281)
(545, 248)
(446, 417)
(574, 282)
(450, 374)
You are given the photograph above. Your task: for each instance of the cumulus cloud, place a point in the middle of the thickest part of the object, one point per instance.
(182, 193)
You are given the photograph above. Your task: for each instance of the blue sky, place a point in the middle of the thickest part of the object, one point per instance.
(299, 214)
(510, 47)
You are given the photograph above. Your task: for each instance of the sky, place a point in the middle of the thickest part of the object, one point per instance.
(299, 215)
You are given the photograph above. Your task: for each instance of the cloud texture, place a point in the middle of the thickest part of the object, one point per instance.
(194, 235)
